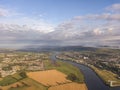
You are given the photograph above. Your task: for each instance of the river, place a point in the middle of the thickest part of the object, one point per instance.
(92, 81)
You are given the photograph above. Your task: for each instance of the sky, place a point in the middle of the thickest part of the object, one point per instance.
(59, 23)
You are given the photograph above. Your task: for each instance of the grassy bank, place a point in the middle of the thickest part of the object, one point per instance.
(107, 76)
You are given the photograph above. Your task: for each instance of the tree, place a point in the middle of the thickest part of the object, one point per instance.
(23, 74)
(73, 77)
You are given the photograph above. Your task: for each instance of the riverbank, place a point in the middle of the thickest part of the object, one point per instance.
(108, 77)
(92, 79)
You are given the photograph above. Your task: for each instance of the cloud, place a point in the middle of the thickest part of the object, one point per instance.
(26, 24)
(87, 30)
(67, 33)
(113, 14)
(8, 12)
(92, 29)
(114, 7)
(104, 16)
(3, 12)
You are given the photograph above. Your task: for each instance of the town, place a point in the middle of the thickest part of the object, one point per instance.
(10, 63)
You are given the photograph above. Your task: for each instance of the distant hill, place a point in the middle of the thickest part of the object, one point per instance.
(59, 48)
(6, 50)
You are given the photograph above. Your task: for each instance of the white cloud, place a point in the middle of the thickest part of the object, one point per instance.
(112, 13)
(92, 29)
(4, 12)
(26, 24)
(7, 12)
(97, 31)
(114, 7)
(104, 16)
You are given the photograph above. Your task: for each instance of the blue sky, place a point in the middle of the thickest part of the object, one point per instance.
(57, 10)
(73, 20)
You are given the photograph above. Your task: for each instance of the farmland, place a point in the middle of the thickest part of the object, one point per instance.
(55, 80)
(25, 84)
(64, 68)
(35, 71)
(69, 86)
(49, 77)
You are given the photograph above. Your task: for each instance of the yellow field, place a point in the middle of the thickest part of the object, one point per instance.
(0, 79)
(49, 77)
(69, 86)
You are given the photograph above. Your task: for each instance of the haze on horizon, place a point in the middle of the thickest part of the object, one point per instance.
(59, 23)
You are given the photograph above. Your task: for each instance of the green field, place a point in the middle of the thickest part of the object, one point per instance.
(32, 85)
(11, 79)
(7, 81)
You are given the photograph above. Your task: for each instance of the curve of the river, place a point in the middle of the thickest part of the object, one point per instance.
(92, 81)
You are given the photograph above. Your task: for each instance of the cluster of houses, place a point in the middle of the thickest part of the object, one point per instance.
(32, 63)
(5, 73)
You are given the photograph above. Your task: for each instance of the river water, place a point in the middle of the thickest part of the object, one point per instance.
(93, 82)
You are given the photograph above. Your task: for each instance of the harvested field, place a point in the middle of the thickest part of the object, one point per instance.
(69, 86)
(49, 77)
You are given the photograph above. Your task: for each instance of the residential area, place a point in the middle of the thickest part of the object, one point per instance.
(10, 63)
